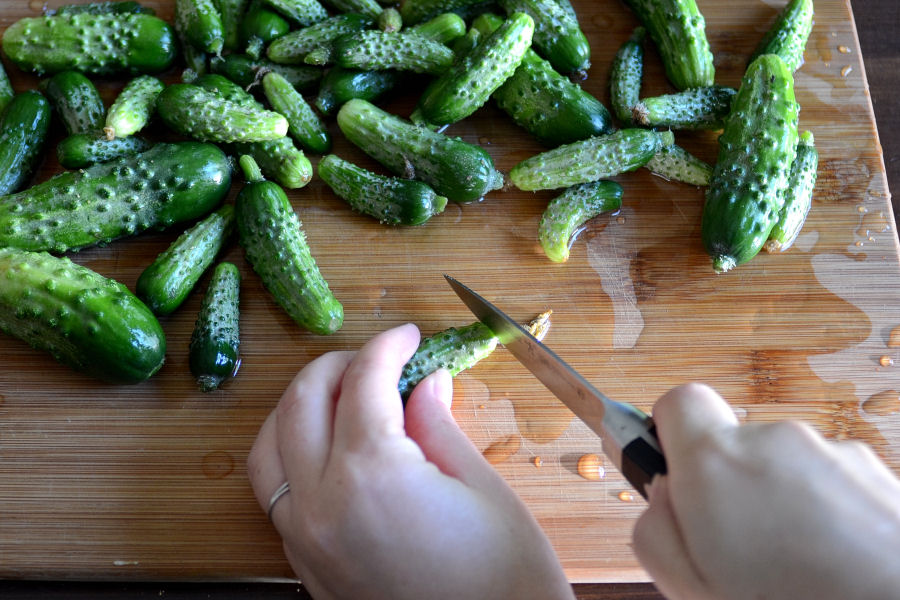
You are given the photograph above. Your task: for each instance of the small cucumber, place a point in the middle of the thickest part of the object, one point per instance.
(675, 163)
(6, 89)
(557, 36)
(587, 160)
(389, 20)
(458, 170)
(798, 196)
(693, 109)
(442, 28)
(470, 81)
(304, 124)
(84, 149)
(77, 102)
(231, 12)
(200, 23)
(679, 31)
(105, 8)
(378, 50)
(259, 27)
(293, 47)
(24, 124)
(215, 343)
(789, 33)
(391, 200)
(106, 44)
(566, 215)
(84, 320)
(416, 11)
(341, 85)
(165, 284)
(274, 244)
(195, 112)
(245, 71)
(626, 75)
(756, 150)
(130, 111)
(168, 184)
(302, 13)
(369, 8)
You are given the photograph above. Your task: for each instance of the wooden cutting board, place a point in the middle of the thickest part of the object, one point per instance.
(148, 481)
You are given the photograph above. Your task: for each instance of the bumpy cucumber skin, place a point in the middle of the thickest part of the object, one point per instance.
(130, 111)
(798, 196)
(369, 8)
(215, 342)
(389, 20)
(416, 11)
(454, 349)
(293, 47)
(300, 12)
(304, 124)
(113, 7)
(373, 49)
(244, 70)
(589, 160)
(231, 13)
(460, 171)
(341, 85)
(84, 320)
(570, 210)
(6, 89)
(442, 28)
(84, 149)
(276, 247)
(675, 163)
(391, 200)
(200, 23)
(77, 102)
(693, 109)
(626, 75)
(789, 33)
(557, 36)
(467, 85)
(93, 44)
(679, 32)
(23, 133)
(756, 150)
(167, 184)
(166, 282)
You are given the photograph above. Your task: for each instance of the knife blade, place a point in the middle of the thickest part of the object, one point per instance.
(627, 433)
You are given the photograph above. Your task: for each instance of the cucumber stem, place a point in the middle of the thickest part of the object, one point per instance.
(251, 170)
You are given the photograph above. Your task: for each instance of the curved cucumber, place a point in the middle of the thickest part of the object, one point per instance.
(84, 149)
(694, 109)
(377, 50)
(625, 76)
(304, 124)
(557, 36)
(166, 283)
(77, 102)
(789, 33)
(131, 110)
(167, 184)
(84, 320)
(24, 124)
(568, 212)
(200, 23)
(798, 196)
(293, 47)
(676, 163)
(215, 342)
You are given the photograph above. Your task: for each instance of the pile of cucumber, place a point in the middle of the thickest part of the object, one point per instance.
(259, 79)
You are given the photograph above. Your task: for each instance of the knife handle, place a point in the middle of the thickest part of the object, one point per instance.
(642, 459)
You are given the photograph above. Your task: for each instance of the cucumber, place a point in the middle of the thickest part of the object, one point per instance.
(84, 149)
(259, 27)
(378, 50)
(246, 71)
(798, 196)
(6, 89)
(789, 33)
(196, 61)
(460, 171)
(675, 163)
(557, 36)
(195, 112)
(693, 109)
(467, 85)
(389, 20)
(565, 216)
(303, 123)
(200, 23)
(165, 284)
(391, 200)
(168, 184)
(276, 248)
(442, 28)
(625, 76)
(231, 13)
(416, 11)
(215, 342)
(76, 100)
(679, 31)
(106, 44)
(131, 110)
(105, 8)
(24, 124)
(84, 320)
(369, 8)
(587, 160)
(756, 150)
(341, 85)
(301, 13)
(293, 47)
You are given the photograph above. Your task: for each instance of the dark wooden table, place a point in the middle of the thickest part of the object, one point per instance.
(876, 22)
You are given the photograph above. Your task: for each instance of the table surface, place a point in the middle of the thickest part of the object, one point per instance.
(881, 54)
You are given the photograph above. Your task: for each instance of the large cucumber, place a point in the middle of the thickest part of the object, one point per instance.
(23, 132)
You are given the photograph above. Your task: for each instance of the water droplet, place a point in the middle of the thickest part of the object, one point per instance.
(861, 209)
(843, 49)
(591, 468)
(886, 361)
(894, 338)
(620, 219)
(501, 450)
(846, 70)
(626, 496)
(882, 403)
(538, 461)
(217, 464)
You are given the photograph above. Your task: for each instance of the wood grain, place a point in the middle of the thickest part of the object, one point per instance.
(148, 482)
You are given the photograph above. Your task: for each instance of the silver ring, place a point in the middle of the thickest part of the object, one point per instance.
(283, 489)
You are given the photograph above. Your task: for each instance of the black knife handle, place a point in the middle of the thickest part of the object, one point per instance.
(641, 461)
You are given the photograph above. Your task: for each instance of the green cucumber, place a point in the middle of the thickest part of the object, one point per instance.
(587, 160)
(276, 248)
(458, 170)
(798, 196)
(567, 213)
(245, 71)
(231, 13)
(442, 28)
(196, 61)
(84, 149)
(168, 184)
(215, 342)
(76, 100)
(105, 8)
(675, 163)
(24, 124)
(557, 36)
(341, 85)
(389, 20)
(84, 320)
(416, 11)
(693, 109)
(6, 89)
(626, 74)
(259, 27)
(679, 31)
(756, 150)
(299, 12)
(369, 8)
(166, 282)
(130, 111)
(200, 23)
(293, 47)
(304, 124)
(467, 85)
(789, 33)
(378, 50)
(391, 200)
(105, 44)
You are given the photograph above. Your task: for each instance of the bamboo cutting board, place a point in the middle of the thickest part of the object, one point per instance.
(148, 481)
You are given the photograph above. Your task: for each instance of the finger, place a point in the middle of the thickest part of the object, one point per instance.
(369, 407)
(688, 414)
(264, 466)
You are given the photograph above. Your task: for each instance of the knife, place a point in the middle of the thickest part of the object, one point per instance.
(627, 433)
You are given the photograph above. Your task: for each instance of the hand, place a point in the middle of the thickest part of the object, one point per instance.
(387, 505)
(765, 510)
